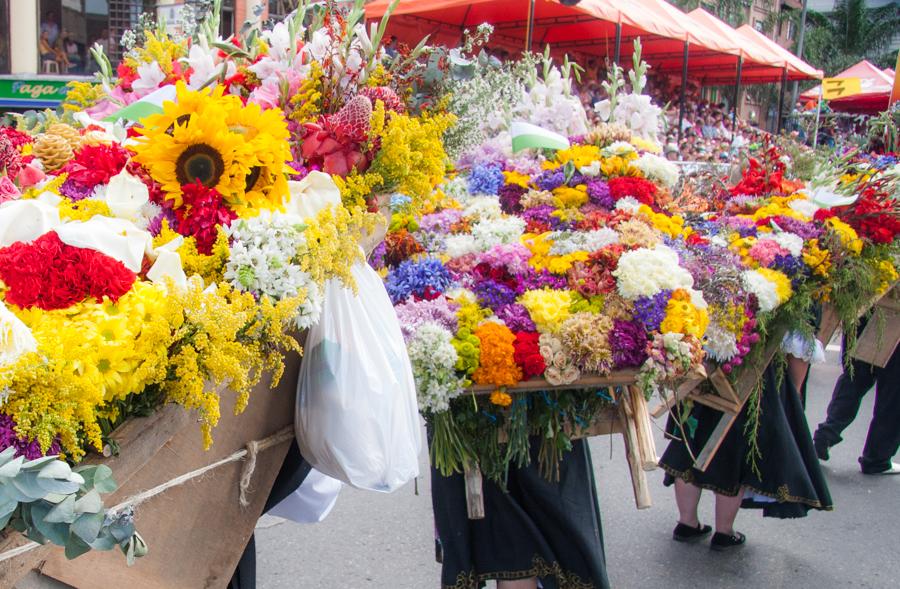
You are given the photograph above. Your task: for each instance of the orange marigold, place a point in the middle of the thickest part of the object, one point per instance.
(497, 364)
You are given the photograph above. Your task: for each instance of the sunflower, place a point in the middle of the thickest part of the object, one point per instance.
(267, 132)
(211, 138)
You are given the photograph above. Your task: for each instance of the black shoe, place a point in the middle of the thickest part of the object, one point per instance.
(821, 449)
(684, 533)
(722, 542)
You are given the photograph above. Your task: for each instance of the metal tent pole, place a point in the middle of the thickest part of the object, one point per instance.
(779, 118)
(529, 30)
(618, 43)
(684, 71)
(737, 94)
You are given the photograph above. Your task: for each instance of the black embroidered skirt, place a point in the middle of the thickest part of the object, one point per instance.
(539, 528)
(788, 480)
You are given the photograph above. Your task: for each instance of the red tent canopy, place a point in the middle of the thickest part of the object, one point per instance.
(797, 68)
(590, 28)
(875, 90)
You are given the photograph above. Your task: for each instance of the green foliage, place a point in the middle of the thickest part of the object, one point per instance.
(731, 11)
(48, 501)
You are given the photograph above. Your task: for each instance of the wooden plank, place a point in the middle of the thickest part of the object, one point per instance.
(684, 389)
(722, 385)
(749, 375)
(716, 402)
(196, 532)
(828, 325)
(641, 416)
(879, 339)
(715, 440)
(638, 477)
(474, 492)
(618, 378)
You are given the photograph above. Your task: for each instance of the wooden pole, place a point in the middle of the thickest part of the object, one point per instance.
(780, 118)
(684, 72)
(529, 32)
(638, 478)
(618, 52)
(643, 429)
(818, 114)
(474, 492)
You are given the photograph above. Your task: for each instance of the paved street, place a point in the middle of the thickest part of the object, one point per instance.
(385, 541)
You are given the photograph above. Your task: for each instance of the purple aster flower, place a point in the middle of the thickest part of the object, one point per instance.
(629, 343)
(543, 214)
(516, 317)
(550, 179)
(413, 313)
(441, 220)
(485, 179)
(534, 280)
(793, 267)
(493, 294)
(74, 191)
(425, 278)
(652, 310)
(806, 230)
(376, 260)
(598, 192)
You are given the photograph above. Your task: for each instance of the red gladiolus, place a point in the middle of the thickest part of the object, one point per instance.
(49, 274)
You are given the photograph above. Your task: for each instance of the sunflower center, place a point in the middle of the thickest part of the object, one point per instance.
(252, 177)
(199, 163)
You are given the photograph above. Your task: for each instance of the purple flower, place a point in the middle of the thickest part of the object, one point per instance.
(29, 449)
(493, 294)
(793, 267)
(652, 310)
(516, 317)
(534, 280)
(543, 214)
(806, 230)
(485, 179)
(441, 220)
(376, 260)
(74, 191)
(413, 313)
(511, 256)
(550, 179)
(425, 278)
(510, 195)
(629, 343)
(598, 193)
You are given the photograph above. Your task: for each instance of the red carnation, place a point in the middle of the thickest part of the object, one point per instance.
(50, 274)
(639, 188)
(96, 164)
(527, 354)
(202, 213)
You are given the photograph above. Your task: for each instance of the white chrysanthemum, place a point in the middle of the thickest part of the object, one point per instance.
(764, 289)
(629, 204)
(789, 241)
(618, 148)
(263, 260)
(456, 246)
(645, 272)
(719, 343)
(805, 207)
(567, 242)
(593, 169)
(658, 168)
(433, 359)
(480, 208)
(491, 232)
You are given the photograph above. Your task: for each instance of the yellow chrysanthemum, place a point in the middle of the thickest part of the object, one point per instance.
(516, 178)
(579, 155)
(782, 283)
(847, 234)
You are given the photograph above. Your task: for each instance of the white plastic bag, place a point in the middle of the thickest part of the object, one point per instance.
(357, 418)
(312, 501)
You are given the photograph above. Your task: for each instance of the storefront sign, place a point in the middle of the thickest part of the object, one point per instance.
(31, 92)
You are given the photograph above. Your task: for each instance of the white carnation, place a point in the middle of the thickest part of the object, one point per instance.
(645, 272)
(762, 287)
(658, 168)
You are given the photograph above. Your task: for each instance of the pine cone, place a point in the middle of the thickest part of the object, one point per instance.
(67, 132)
(54, 151)
(605, 134)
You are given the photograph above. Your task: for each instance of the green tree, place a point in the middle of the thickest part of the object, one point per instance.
(734, 12)
(851, 33)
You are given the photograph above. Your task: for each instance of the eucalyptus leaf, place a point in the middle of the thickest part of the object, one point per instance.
(11, 468)
(75, 547)
(89, 503)
(56, 469)
(54, 532)
(27, 487)
(4, 519)
(88, 526)
(103, 480)
(104, 541)
(122, 530)
(7, 454)
(63, 512)
(58, 486)
(37, 463)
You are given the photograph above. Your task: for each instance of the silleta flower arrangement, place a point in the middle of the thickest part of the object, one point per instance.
(177, 248)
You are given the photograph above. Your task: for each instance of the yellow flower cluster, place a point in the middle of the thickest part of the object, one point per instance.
(516, 178)
(542, 259)
(412, 159)
(566, 197)
(817, 259)
(82, 95)
(645, 144)
(672, 226)
(356, 187)
(332, 243)
(782, 283)
(307, 102)
(618, 166)
(887, 275)
(847, 235)
(778, 207)
(163, 49)
(82, 210)
(109, 350)
(209, 267)
(548, 308)
(682, 316)
(470, 314)
(579, 155)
